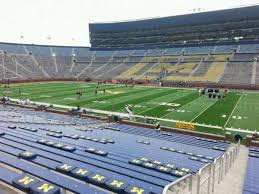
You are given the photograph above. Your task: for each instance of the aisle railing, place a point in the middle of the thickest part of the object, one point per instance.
(206, 179)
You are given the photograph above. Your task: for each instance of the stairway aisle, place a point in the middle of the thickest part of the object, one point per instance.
(233, 182)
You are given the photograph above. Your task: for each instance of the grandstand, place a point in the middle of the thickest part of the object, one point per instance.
(64, 127)
(47, 62)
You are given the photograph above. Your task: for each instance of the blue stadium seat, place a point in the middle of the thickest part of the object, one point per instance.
(121, 161)
(252, 174)
(51, 177)
(198, 50)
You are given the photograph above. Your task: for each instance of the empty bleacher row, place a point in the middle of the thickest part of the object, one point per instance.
(252, 172)
(225, 64)
(108, 157)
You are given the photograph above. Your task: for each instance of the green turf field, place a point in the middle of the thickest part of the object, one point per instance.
(237, 110)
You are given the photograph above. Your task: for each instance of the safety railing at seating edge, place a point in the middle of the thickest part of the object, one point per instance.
(220, 165)
(178, 182)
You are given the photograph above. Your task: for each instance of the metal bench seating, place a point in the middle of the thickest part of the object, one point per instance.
(97, 155)
(252, 173)
(53, 179)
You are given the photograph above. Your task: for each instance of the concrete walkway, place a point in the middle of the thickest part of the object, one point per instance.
(233, 182)
(5, 189)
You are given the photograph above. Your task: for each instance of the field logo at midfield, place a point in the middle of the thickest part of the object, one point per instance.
(114, 92)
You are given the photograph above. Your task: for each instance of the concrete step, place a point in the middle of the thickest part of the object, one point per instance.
(233, 182)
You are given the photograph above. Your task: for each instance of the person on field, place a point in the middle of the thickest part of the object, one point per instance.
(19, 92)
(158, 127)
(210, 95)
(3, 100)
(200, 91)
(145, 119)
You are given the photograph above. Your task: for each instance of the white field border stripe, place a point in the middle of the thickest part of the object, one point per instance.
(167, 102)
(233, 110)
(182, 107)
(203, 111)
(241, 130)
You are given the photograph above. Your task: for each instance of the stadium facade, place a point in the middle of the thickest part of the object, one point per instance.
(216, 27)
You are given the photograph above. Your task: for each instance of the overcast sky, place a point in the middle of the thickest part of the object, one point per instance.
(66, 21)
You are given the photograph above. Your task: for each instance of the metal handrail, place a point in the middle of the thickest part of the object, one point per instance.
(214, 170)
(215, 160)
(199, 172)
(199, 177)
(225, 161)
(167, 187)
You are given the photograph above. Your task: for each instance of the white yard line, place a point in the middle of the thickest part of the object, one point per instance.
(167, 102)
(182, 107)
(157, 105)
(202, 111)
(233, 110)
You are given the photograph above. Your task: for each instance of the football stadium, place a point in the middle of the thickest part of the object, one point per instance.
(162, 105)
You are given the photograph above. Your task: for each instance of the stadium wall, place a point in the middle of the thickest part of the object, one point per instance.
(250, 142)
(175, 130)
(143, 82)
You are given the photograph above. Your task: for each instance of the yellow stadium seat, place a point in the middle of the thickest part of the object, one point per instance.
(132, 71)
(213, 74)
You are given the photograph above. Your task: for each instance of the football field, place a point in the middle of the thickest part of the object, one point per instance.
(237, 110)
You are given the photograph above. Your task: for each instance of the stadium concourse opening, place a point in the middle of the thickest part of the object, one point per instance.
(156, 106)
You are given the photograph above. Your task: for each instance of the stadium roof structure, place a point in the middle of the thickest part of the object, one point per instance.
(219, 16)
